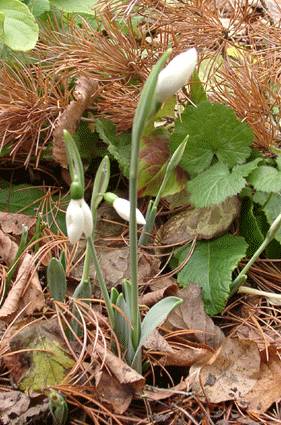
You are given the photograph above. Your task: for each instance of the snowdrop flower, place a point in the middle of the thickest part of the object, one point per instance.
(174, 76)
(122, 207)
(79, 220)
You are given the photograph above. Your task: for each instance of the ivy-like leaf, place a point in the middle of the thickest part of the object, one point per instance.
(217, 183)
(119, 146)
(211, 267)
(214, 131)
(154, 156)
(266, 179)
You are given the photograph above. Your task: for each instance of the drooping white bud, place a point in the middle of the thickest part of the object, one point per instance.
(79, 220)
(174, 76)
(122, 207)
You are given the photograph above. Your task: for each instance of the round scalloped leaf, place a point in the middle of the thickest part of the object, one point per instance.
(20, 31)
(214, 131)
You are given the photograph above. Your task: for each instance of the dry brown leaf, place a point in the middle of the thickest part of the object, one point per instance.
(229, 374)
(8, 248)
(35, 355)
(25, 292)
(202, 223)
(13, 222)
(119, 388)
(161, 287)
(116, 267)
(185, 356)
(267, 389)
(191, 315)
(69, 119)
(17, 408)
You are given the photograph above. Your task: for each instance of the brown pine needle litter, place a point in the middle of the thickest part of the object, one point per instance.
(240, 43)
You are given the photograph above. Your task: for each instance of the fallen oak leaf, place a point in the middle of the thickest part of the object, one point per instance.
(69, 119)
(229, 374)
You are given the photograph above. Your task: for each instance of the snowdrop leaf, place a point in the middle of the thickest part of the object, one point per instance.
(211, 267)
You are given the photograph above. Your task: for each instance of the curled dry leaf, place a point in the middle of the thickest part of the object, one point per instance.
(191, 315)
(229, 374)
(8, 248)
(118, 387)
(17, 408)
(69, 119)
(26, 291)
(203, 223)
(267, 389)
(160, 288)
(13, 222)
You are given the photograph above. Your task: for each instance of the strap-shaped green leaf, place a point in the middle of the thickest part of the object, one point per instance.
(56, 279)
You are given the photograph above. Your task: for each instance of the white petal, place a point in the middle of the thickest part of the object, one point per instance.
(175, 74)
(122, 207)
(74, 220)
(88, 219)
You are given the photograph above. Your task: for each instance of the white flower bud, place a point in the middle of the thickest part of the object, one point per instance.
(122, 207)
(79, 220)
(174, 76)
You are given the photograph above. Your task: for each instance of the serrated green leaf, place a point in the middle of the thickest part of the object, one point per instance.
(20, 28)
(155, 316)
(211, 267)
(266, 179)
(38, 7)
(214, 132)
(74, 6)
(197, 91)
(249, 227)
(271, 206)
(217, 183)
(119, 146)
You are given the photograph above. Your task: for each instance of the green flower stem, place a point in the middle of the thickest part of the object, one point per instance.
(153, 206)
(240, 279)
(146, 107)
(101, 282)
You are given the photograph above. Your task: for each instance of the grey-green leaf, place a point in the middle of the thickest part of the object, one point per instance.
(156, 315)
(56, 279)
